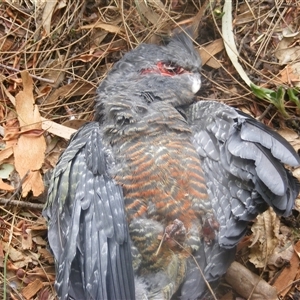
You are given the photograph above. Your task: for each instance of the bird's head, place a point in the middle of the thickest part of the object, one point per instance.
(152, 75)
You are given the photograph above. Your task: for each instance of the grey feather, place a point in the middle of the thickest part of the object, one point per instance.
(88, 232)
(147, 98)
(243, 164)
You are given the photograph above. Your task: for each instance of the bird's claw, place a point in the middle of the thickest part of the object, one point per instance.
(175, 231)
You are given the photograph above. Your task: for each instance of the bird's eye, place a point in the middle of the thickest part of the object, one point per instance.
(165, 69)
(169, 69)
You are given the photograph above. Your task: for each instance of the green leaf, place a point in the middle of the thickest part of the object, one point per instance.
(274, 97)
(292, 96)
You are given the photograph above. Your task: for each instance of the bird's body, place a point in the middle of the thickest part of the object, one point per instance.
(160, 174)
(158, 186)
(165, 200)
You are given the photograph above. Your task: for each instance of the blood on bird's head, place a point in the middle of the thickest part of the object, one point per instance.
(169, 72)
(176, 56)
(165, 69)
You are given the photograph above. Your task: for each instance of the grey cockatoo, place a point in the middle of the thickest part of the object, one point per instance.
(159, 185)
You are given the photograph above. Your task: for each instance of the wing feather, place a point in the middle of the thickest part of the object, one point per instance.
(88, 232)
(243, 161)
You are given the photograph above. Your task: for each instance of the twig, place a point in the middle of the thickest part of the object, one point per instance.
(6, 257)
(21, 203)
(33, 76)
(162, 240)
(265, 112)
(200, 270)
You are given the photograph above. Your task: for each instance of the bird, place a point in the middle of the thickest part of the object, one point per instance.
(150, 199)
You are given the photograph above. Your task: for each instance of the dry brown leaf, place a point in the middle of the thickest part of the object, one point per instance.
(53, 144)
(5, 154)
(5, 186)
(45, 254)
(265, 238)
(57, 129)
(29, 153)
(146, 11)
(47, 15)
(44, 91)
(11, 131)
(2, 110)
(244, 15)
(39, 225)
(296, 173)
(213, 63)
(33, 181)
(88, 57)
(8, 94)
(158, 3)
(39, 241)
(287, 276)
(43, 272)
(244, 282)
(209, 51)
(75, 124)
(298, 274)
(281, 255)
(73, 89)
(297, 248)
(291, 136)
(107, 27)
(13, 254)
(26, 239)
(32, 289)
(291, 74)
(51, 160)
(98, 36)
(287, 50)
(7, 43)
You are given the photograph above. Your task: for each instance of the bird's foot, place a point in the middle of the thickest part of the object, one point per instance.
(209, 228)
(175, 232)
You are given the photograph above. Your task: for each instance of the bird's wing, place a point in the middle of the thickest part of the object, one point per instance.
(243, 164)
(87, 228)
(242, 160)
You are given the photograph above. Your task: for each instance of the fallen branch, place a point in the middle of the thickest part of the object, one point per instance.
(21, 203)
(31, 75)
